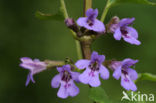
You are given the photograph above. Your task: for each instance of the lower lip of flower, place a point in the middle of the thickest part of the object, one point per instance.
(67, 85)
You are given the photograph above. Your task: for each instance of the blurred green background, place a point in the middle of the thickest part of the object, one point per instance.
(21, 34)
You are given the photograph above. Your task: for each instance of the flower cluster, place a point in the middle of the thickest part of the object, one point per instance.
(92, 68)
(119, 28)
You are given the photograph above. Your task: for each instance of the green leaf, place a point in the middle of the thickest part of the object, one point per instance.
(58, 16)
(117, 2)
(146, 76)
(98, 95)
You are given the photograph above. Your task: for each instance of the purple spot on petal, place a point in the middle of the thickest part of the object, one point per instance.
(124, 31)
(124, 72)
(126, 79)
(67, 86)
(90, 23)
(91, 74)
(66, 76)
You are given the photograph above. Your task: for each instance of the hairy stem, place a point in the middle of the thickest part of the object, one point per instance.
(105, 10)
(86, 49)
(86, 45)
(78, 47)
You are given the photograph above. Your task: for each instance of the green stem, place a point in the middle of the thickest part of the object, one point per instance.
(105, 10)
(63, 9)
(78, 48)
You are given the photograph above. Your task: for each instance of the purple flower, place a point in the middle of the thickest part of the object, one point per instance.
(93, 67)
(128, 33)
(65, 79)
(122, 69)
(90, 22)
(34, 66)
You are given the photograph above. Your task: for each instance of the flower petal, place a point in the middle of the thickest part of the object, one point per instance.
(128, 62)
(117, 34)
(132, 40)
(84, 77)
(31, 78)
(132, 74)
(26, 66)
(67, 67)
(94, 81)
(56, 81)
(92, 12)
(101, 59)
(127, 83)
(28, 80)
(38, 69)
(104, 73)
(82, 64)
(97, 26)
(62, 92)
(59, 69)
(82, 21)
(126, 21)
(34, 66)
(132, 31)
(117, 73)
(36, 60)
(73, 90)
(94, 56)
(26, 60)
(75, 76)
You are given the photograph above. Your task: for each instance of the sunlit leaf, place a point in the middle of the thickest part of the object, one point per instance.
(117, 2)
(58, 16)
(98, 95)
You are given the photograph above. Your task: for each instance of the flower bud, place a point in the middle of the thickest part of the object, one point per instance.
(113, 24)
(70, 23)
(114, 64)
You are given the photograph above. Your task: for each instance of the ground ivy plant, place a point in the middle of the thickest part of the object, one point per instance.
(91, 65)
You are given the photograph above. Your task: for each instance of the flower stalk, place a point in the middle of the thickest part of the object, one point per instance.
(78, 47)
(86, 49)
(63, 9)
(52, 63)
(105, 10)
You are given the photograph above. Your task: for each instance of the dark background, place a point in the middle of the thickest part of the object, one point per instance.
(21, 34)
